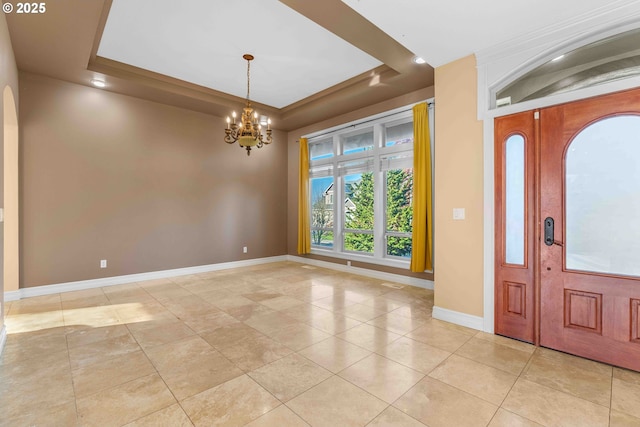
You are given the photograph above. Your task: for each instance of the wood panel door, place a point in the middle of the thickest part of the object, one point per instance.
(515, 246)
(590, 228)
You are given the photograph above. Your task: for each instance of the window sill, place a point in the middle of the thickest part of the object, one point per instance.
(362, 258)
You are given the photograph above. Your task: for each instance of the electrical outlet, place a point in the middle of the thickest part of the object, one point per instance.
(244, 249)
(103, 263)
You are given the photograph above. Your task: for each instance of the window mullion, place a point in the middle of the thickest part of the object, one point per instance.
(378, 194)
(338, 201)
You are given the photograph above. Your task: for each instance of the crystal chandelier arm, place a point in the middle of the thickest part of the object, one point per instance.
(268, 139)
(230, 136)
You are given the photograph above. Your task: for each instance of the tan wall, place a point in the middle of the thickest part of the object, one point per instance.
(143, 185)
(458, 184)
(293, 159)
(8, 79)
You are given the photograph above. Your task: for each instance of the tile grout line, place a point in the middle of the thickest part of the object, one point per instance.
(73, 385)
(343, 379)
(611, 398)
(522, 371)
(157, 373)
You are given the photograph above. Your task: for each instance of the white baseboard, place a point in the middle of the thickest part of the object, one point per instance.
(12, 295)
(130, 278)
(397, 278)
(462, 319)
(140, 277)
(3, 338)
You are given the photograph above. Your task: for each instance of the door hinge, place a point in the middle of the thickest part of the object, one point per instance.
(536, 115)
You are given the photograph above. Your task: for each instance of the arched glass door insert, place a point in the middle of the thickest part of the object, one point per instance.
(602, 197)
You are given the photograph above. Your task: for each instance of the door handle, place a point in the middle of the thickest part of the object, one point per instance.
(549, 232)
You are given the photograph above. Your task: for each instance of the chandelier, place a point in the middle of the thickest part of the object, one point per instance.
(248, 132)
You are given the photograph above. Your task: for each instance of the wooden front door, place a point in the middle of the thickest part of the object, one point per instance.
(580, 290)
(590, 197)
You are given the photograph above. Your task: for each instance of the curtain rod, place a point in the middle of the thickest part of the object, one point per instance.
(429, 104)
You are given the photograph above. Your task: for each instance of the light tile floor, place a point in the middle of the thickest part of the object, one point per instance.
(285, 345)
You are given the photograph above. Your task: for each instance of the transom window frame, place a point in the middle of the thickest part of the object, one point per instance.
(374, 158)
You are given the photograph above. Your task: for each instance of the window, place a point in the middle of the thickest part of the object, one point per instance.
(322, 212)
(361, 190)
(600, 62)
(398, 187)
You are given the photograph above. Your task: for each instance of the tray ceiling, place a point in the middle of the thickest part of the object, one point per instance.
(202, 42)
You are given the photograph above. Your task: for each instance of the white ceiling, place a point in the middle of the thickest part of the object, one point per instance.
(202, 41)
(446, 30)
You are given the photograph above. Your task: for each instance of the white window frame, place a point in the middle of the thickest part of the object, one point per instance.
(379, 150)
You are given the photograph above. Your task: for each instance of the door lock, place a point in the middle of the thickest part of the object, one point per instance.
(549, 232)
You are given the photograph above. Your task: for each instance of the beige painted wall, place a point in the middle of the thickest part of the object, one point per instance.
(8, 79)
(458, 184)
(143, 185)
(293, 159)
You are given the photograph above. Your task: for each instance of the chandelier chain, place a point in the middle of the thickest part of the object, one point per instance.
(248, 77)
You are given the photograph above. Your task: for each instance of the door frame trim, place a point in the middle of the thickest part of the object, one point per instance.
(489, 170)
(487, 115)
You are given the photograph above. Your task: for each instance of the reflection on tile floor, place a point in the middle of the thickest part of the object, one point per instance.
(285, 345)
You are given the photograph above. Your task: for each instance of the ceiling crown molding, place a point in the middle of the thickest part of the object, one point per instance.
(616, 13)
(502, 64)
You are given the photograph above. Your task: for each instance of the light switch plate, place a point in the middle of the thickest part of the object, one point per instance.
(458, 214)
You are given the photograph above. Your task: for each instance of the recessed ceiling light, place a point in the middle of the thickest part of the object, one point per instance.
(98, 83)
(419, 60)
(558, 58)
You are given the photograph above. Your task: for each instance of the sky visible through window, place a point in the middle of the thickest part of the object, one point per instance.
(320, 185)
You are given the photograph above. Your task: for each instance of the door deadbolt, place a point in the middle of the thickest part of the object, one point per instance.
(548, 231)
